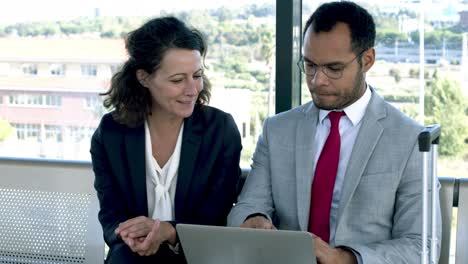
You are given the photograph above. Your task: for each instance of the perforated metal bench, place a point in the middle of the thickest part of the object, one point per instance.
(454, 194)
(48, 214)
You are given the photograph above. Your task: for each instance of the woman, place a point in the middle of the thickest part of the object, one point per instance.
(162, 156)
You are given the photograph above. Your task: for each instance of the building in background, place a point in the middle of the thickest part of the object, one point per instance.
(49, 93)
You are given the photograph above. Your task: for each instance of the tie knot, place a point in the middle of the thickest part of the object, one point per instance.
(334, 117)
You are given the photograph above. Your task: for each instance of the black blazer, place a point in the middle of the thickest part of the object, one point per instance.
(207, 176)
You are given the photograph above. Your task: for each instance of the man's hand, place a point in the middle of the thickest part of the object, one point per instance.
(327, 254)
(259, 222)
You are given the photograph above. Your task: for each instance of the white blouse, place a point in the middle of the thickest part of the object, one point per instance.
(161, 182)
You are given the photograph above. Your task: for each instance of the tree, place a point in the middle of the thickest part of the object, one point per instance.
(395, 73)
(260, 10)
(445, 104)
(437, 38)
(5, 130)
(388, 37)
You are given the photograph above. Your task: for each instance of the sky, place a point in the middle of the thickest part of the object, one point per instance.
(42, 10)
(13, 11)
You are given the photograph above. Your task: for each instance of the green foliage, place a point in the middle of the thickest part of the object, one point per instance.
(410, 109)
(243, 33)
(437, 37)
(414, 73)
(384, 21)
(231, 64)
(267, 37)
(231, 25)
(455, 62)
(260, 10)
(389, 37)
(435, 74)
(395, 73)
(111, 27)
(260, 76)
(5, 129)
(401, 98)
(223, 14)
(445, 105)
(459, 28)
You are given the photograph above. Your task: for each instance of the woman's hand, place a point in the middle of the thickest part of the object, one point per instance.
(148, 245)
(136, 227)
(144, 235)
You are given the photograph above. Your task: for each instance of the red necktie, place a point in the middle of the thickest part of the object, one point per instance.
(324, 181)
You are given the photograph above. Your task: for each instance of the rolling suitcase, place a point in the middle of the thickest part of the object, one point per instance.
(428, 140)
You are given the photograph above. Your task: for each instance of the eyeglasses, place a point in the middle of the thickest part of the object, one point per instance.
(332, 70)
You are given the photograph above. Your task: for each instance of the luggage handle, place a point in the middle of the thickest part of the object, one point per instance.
(430, 135)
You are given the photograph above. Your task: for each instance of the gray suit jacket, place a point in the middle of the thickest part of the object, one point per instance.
(379, 213)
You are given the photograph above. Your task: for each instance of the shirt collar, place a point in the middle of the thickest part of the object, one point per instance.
(149, 150)
(355, 112)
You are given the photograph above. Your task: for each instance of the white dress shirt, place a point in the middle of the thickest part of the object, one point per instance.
(349, 127)
(161, 182)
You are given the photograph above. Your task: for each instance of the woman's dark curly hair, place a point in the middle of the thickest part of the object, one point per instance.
(146, 47)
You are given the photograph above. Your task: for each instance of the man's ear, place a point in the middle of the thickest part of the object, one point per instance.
(142, 77)
(368, 59)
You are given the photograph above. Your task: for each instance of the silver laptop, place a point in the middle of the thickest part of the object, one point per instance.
(234, 245)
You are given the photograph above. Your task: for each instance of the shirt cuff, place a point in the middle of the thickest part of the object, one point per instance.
(254, 215)
(356, 254)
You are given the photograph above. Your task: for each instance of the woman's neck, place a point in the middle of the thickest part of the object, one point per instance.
(163, 124)
(163, 132)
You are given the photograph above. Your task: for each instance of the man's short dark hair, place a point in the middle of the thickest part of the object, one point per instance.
(360, 23)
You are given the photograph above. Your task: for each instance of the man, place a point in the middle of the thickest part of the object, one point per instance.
(359, 194)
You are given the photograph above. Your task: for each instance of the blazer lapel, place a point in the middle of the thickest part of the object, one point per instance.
(305, 149)
(135, 152)
(191, 140)
(366, 140)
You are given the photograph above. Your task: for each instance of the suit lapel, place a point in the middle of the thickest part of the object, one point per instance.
(191, 140)
(367, 138)
(135, 152)
(305, 149)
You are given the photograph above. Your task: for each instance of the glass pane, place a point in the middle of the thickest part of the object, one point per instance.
(55, 61)
(395, 74)
(240, 64)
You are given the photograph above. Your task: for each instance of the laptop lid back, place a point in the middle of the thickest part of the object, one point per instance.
(234, 245)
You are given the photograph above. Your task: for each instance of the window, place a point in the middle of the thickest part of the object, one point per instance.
(91, 102)
(35, 100)
(114, 68)
(29, 69)
(88, 70)
(57, 69)
(27, 131)
(53, 100)
(26, 99)
(440, 91)
(53, 133)
(240, 65)
(80, 134)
